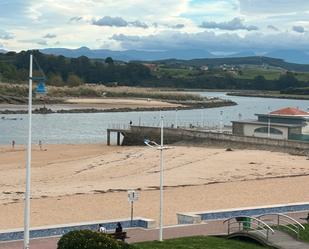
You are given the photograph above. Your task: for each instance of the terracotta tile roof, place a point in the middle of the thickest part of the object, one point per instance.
(290, 111)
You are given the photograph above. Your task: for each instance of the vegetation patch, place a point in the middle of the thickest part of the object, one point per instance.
(199, 242)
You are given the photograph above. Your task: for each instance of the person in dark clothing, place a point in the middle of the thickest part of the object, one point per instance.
(118, 228)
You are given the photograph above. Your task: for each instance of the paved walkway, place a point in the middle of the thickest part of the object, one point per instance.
(285, 241)
(215, 227)
(135, 235)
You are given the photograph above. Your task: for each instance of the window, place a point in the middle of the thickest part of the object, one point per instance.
(265, 130)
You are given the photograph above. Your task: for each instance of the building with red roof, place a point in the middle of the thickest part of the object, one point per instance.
(290, 111)
(286, 123)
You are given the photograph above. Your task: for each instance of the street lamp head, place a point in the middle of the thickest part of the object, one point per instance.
(150, 143)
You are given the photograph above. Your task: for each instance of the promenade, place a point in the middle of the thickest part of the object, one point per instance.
(214, 227)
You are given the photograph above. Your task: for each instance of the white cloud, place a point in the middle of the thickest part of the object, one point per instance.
(272, 27)
(273, 6)
(34, 41)
(211, 41)
(235, 24)
(49, 36)
(298, 29)
(171, 21)
(5, 35)
(110, 21)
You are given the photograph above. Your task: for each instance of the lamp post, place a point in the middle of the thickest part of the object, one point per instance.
(176, 119)
(28, 165)
(160, 147)
(268, 125)
(221, 121)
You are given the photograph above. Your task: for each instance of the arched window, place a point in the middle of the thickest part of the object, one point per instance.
(265, 130)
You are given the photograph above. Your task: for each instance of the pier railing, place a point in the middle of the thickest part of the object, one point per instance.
(182, 125)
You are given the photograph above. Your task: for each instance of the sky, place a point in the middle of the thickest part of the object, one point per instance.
(220, 26)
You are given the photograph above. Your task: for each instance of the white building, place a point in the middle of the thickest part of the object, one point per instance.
(286, 123)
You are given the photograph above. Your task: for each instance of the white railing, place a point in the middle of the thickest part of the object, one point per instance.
(283, 220)
(247, 224)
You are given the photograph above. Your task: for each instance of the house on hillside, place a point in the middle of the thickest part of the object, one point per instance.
(287, 123)
(151, 66)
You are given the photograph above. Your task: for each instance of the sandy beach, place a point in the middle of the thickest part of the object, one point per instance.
(98, 103)
(77, 183)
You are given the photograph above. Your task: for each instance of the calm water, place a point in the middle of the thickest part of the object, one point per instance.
(91, 127)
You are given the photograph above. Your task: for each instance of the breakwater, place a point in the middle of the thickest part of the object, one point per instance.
(136, 135)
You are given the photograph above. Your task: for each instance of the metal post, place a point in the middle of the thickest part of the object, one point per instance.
(228, 227)
(161, 183)
(28, 166)
(131, 213)
(108, 137)
(176, 119)
(268, 130)
(221, 121)
(278, 221)
(118, 138)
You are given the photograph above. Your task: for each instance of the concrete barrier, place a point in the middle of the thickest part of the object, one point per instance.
(58, 230)
(189, 218)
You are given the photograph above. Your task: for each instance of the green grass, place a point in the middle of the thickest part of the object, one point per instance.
(251, 73)
(176, 72)
(304, 235)
(199, 242)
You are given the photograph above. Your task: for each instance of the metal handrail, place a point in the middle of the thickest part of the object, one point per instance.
(261, 225)
(295, 224)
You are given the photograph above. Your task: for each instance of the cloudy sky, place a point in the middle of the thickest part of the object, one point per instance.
(214, 25)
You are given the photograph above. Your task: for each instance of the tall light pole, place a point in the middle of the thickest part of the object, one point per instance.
(176, 119)
(161, 182)
(268, 128)
(160, 147)
(221, 121)
(28, 165)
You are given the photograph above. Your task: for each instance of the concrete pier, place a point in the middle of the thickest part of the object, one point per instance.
(119, 132)
(135, 135)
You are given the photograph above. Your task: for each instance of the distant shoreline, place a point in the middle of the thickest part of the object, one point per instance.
(268, 95)
(182, 106)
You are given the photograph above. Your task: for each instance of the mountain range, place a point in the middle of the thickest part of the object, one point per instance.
(294, 56)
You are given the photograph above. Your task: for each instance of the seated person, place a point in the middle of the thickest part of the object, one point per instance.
(102, 229)
(118, 228)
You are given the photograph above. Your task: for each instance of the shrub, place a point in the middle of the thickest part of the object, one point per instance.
(86, 239)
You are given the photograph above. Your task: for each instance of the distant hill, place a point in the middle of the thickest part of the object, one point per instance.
(293, 56)
(252, 60)
(128, 55)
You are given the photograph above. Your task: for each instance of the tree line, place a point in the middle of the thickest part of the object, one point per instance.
(62, 71)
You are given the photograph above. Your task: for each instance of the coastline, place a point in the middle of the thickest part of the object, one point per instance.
(268, 95)
(96, 108)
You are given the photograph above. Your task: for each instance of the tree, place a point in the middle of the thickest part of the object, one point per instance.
(86, 239)
(259, 83)
(55, 80)
(287, 80)
(74, 80)
(109, 61)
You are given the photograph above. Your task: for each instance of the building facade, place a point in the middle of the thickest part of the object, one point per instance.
(287, 123)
